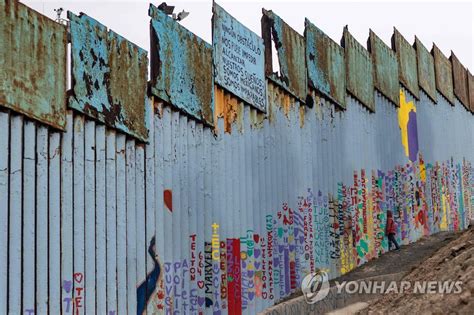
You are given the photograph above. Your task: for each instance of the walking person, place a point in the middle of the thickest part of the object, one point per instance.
(391, 230)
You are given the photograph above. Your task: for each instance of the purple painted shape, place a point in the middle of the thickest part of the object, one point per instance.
(67, 286)
(412, 133)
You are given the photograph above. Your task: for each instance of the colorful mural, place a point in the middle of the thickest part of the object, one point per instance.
(334, 232)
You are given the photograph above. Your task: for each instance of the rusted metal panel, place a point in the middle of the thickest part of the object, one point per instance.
(32, 64)
(291, 54)
(426, 70)
(181, 67)
(407, 69)
(109, 77)
(460, 80)
(443, 74)
(239, 62)
(385, 68)
(470, 82)
(326, 65)
(359, 71)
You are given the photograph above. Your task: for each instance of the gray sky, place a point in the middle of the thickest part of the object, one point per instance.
(447, 23)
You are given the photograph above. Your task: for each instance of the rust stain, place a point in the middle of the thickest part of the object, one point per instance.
(290, 48)
(460, 81)
(33, 67)
(302, 116)
(109, 77)
(443, 74)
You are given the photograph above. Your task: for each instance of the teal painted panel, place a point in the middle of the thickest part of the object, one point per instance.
(326, 65)
(407, 69)
(32, 64)
(443, 74)
(359, 71)
(460, 81)
(426, 70)
(181, 67)
(385, 69)
(290, 47)
(109, 77)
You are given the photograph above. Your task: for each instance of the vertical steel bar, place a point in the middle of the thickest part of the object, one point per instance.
(90, 211)
(66, 216)
(121, 225)
(131, 259)
(54, 197)
(141, 246)
(42, 220)
(101, 218)
(4, 193)
(78, 214)
(150, 194)
(29, 230)
(111, 219)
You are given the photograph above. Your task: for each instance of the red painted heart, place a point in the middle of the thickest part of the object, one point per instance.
(200, 284)
(256, 238)
(78, 276)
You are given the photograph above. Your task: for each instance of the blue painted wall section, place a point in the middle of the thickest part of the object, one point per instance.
(109, 76)
(325, 63)
(181, 67)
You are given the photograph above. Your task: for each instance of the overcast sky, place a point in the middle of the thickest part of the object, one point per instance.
(447, 23)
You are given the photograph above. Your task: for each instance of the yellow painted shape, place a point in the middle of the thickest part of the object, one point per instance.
(403, 116)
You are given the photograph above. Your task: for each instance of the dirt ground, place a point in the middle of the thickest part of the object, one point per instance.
(454, 261)
(403, 260)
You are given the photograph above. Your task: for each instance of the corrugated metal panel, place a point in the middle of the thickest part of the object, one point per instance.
(291, 52)
(109, 77)
(443, 74)
(325, 63)
(460, 80)
(407, 68)
(279, 214)
(181, 67)
(426, 70)
(239, 61)
(32, 64)
(359, 71)
(385, 68)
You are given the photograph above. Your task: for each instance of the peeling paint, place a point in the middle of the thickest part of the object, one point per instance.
(426, 70)
(385, 68)
(326, 65)
(460, 81)
(291, 55)
(109, 77)
(359, 71)
(443, 74)
(32, 64)
(407, 69)
(181, 67)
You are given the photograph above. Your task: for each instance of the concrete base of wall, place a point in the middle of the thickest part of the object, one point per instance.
(333, 301)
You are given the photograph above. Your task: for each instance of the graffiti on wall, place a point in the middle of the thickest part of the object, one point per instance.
(329, 231)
